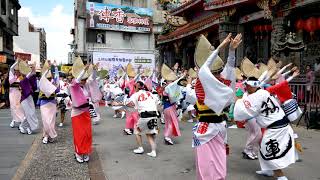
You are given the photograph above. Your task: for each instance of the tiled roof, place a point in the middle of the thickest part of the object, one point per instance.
(184, 7)
(190, 28)
(220, 4)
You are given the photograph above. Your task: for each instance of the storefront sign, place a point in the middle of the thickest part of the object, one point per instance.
(3, 59)
(22, 56)
(114, 61)
(119, 18)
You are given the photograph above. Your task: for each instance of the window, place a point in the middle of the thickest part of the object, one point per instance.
(127, 36)
(100, 38)
(96, 36)
(127, 2)
(3, 7)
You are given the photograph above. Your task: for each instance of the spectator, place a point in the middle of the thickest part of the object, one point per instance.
(310, 79)
(4, 90)
(317, 66)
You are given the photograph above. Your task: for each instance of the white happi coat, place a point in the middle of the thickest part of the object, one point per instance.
(277, 150)
(218, 96)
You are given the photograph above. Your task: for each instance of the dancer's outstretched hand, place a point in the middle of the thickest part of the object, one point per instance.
(236, 41)
(225, 42)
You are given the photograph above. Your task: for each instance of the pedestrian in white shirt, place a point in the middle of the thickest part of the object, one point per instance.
(146, 104)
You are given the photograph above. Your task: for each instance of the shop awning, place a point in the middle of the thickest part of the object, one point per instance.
(190, 28)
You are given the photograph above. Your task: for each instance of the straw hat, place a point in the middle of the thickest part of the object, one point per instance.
(120, 72)
(130, 70)
(273, 68)
(238, 74)
(192, 73)
(167, 73)
(23, 67)
(46, 67)
(103, 73)
(272, 63)
(203, 51)
(147, 72)
(78, 66)
(249, 69)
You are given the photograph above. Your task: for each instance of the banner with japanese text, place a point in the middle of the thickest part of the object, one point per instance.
(119, 18)
(114, 61)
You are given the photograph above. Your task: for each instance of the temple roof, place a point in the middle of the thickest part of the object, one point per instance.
(190, 28)
(178, 10)
(220, 4)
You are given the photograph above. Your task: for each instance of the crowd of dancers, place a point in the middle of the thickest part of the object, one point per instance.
(209, 95)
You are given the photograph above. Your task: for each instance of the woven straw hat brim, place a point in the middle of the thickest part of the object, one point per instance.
(78, 67)
(49, 75)
(45, 67)
(167, 73)
(192, 73)
(203, 51)
(272, 63)
(130, 71)
(238, 74)
(147, 72)
(24, 68)
(120, 73)
(249, 69)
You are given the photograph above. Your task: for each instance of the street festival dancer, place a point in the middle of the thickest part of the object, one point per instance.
(213, 97)
(146, 105)
(48, 104)
(17, 112)
(80, 115)
(28, 85)
(277, 150)
(171, 95)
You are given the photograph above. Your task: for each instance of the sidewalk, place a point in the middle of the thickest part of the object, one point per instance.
(56, 160)
(13, 146)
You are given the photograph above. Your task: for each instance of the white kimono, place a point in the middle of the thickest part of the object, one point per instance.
(277, 150)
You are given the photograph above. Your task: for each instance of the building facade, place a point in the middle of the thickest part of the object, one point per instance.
(32, 41)
(8, 28)
(126, 27)
(265, 25)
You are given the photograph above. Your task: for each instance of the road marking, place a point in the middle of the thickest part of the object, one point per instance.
(26, 162)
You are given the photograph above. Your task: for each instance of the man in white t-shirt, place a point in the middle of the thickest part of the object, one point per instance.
(146, 104)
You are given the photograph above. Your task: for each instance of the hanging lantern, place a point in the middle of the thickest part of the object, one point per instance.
(299, 24)
(318, 23)
(311, 24)
(260, 27)
(270, 28)
(266, 28)
(255, 29)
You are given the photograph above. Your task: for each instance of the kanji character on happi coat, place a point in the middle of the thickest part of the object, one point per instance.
(277, 148)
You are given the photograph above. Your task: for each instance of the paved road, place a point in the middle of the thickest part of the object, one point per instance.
(13, 146)
(113, 152)
(177, 162)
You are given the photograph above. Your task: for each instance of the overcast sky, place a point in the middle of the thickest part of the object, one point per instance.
(56, 17)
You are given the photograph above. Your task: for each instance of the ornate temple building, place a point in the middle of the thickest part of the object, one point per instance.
(287, 30)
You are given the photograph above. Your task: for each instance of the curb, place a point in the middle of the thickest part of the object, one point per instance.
(26, 161)
(95, 167)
